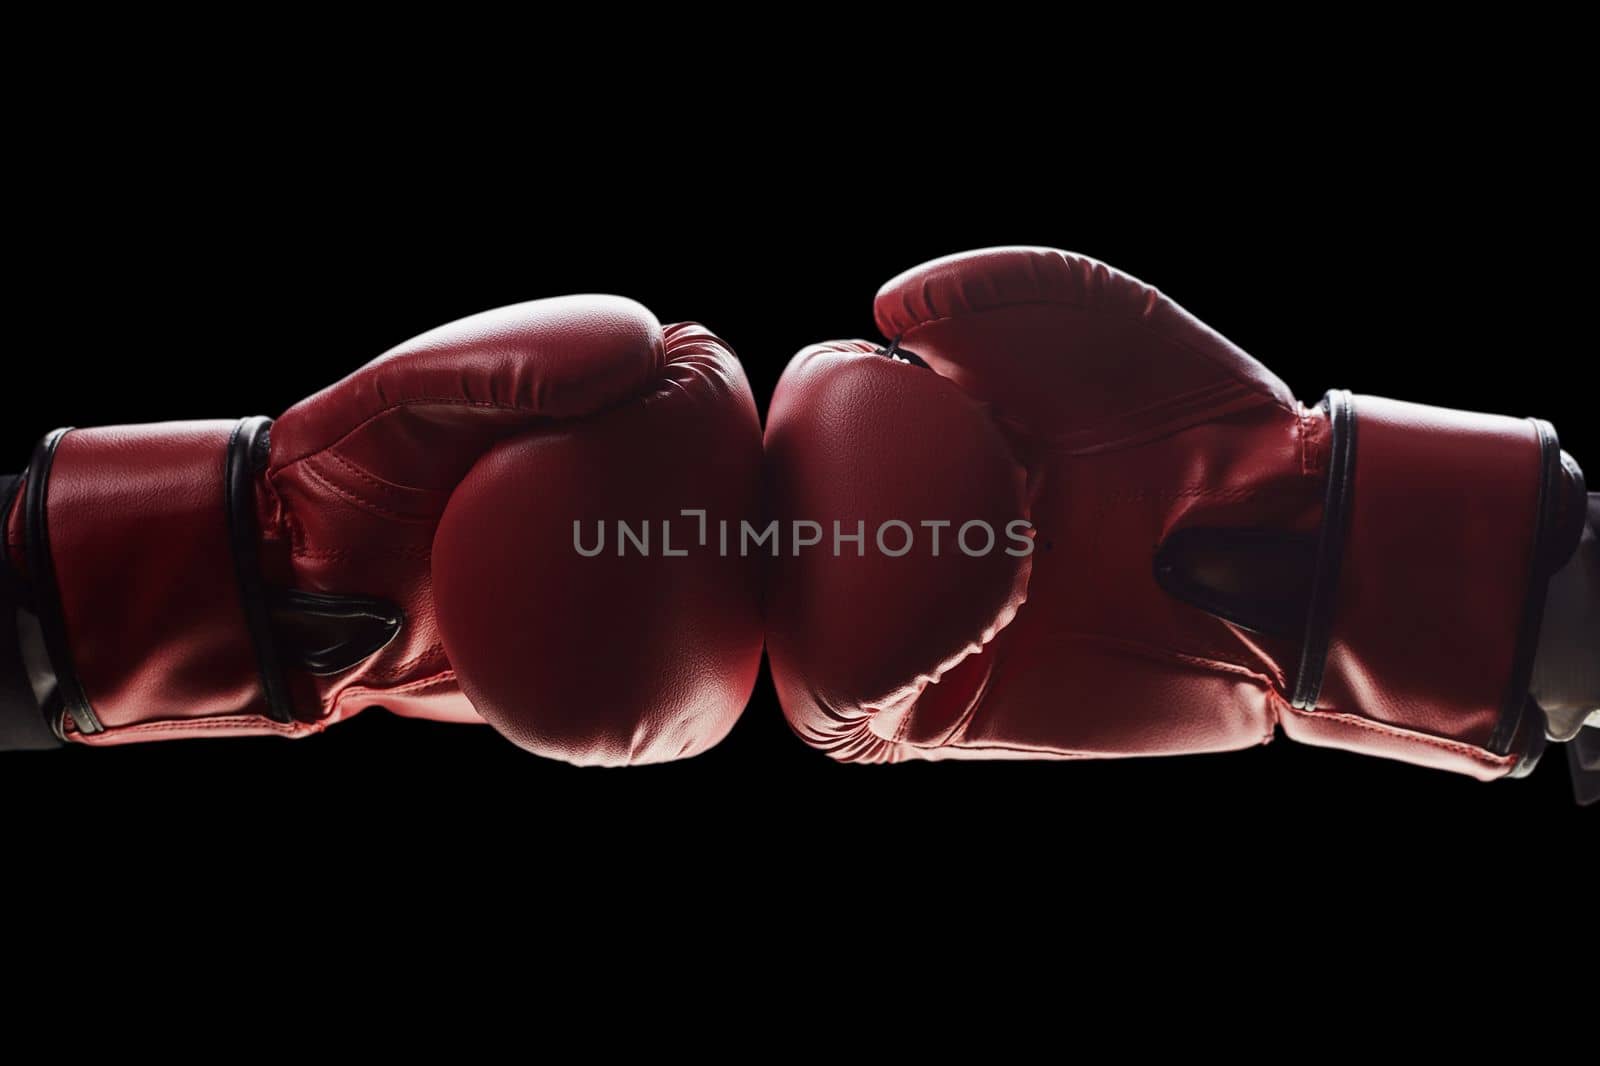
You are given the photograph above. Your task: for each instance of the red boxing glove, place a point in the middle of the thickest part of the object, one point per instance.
(257, 577)
(1210, 559)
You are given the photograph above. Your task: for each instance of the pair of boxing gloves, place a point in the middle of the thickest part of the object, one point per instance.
(1051, 516)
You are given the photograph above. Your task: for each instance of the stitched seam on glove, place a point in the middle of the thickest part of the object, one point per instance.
(441, 678)
(1151, 651)
(1186, 404)
(232, 721)
(1165, 338)
(1058, 753)
(433, 496)
(361, 503)
(432, 651)
(399, 552)
(488, 405)
(959, 729)
(1458, 747)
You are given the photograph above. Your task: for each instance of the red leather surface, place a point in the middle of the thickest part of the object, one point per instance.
(1069, 346)
(139, 536)
(1437, 564)
(427, 408)
(1131, 421)
(857, 438)
(615, 658)
(358, 479)
(360, 472)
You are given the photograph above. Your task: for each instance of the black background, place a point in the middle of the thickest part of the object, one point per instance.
(177, 274)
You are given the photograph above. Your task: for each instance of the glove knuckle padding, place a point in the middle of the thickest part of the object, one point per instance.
(858, 639)
(615, 658)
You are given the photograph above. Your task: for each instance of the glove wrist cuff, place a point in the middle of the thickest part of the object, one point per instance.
(130, 540)
(1440, 532)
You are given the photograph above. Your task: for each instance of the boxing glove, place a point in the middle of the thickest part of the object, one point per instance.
(1055, 516)
(404, 538)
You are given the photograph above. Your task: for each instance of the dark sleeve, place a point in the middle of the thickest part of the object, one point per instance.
(22, 722)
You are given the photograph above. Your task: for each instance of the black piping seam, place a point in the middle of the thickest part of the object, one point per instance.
(1254, 616)
(239, 481)
(1515, 701)
(903, 355)
(327, 660)
(1529, 742)
(1330, 548)
(46, 591)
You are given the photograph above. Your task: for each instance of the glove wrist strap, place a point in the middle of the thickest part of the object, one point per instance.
(1441, 530)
